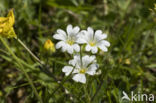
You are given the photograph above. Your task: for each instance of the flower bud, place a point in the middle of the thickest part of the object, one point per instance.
(49, 46)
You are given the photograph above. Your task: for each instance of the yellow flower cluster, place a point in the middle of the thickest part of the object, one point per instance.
(49, 46)
(6, 25)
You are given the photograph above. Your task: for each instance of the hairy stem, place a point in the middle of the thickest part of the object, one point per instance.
(81, 56)
(86, 94)
(29, 51)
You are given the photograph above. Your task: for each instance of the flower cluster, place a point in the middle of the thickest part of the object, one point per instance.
(6, 25)
(70, 42)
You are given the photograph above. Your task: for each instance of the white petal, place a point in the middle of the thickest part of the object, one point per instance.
(64, 48)
(103, 48)
(81, 38)
(72, 62)
(81, 41)
(99, 36)
(86, 35)
(69, 29)
(85, 60)
(94, 49)
(89, 34)
(92, 69)
(92, 59)
(91, 72)
(59, 37)
(67, 70)
(69, 49)
(90, 30)
(104, 35)
(60, 31)
(76, 47)
(76, 30)
(88, 60)
(79, 78)
(98, 32)
(83, 33)
(76, 70)
(76, 61)
(107, 43)
(104, 42)
(88, 47)
(60, 44)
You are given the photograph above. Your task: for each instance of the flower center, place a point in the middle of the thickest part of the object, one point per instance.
(82, 71)
(70, 42)
(92, 43)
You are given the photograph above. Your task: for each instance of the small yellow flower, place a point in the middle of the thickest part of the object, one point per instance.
(49, 46)
(6, 25)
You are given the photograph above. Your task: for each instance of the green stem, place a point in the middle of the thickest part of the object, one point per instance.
(33, 55)
(97, 90)
(109, 97)
(57, 61)
(63, 81)
(84, 87)
(81, 56)
(86, 93)
(29, 51)
(22, 69)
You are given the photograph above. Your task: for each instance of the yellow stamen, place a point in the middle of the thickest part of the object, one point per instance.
(82, 71)
(70, 42)
(92, 43)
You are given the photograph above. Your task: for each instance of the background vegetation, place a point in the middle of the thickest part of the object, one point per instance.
(130, 64)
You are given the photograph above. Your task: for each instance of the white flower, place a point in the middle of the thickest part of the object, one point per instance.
(87, 65)
(93, 40)
(68, 40)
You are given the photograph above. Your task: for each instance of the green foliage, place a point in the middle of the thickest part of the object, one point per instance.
(129, 65)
